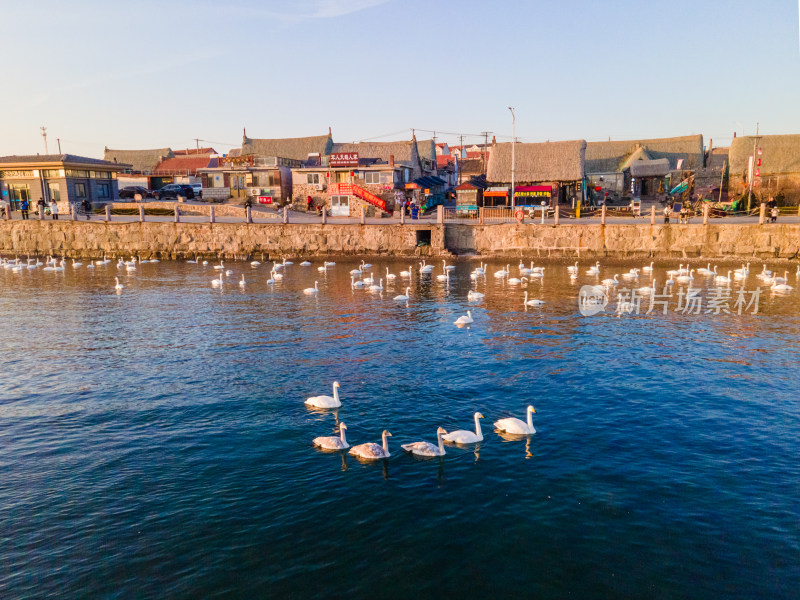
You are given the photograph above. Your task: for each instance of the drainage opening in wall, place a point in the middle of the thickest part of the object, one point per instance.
(423, 237)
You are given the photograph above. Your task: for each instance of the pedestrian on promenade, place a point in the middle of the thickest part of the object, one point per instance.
(54, 209)
(773, 215)
(23, 208)
(309, 203)
(667, 213)
(87, 207)
(41, 203)
(4, 205)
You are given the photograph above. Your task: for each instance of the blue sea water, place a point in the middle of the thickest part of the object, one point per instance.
(154, 443)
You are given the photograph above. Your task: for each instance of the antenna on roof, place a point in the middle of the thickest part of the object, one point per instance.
(44, 135)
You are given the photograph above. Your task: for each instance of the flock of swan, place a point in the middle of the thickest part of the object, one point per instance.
(375, 451)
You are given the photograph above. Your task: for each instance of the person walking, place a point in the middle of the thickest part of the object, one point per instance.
(23, 209)
(41, 203)
(309, 203)
(54, 209)
(87, 207)
(667, 213)
(773, 215)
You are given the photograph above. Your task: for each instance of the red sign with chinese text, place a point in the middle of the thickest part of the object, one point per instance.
(344, 159)
(265, 199)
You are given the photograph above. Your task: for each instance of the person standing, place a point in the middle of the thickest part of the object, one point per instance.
(87, 207)
(41, 203)
(773, 215)
(54, 209)
(4, 206)
(309, 203)
(667, 212)
(23, 209)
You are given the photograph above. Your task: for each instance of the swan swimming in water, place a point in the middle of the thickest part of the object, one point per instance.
(242, 282)
(357, 285)
(462, 436)
(217, 282)
(464, 319)
(119, 286)
(426, 448)
(313, 290)
(403, 297)
(305, 263)
(333, 442)
(517, 426)
(372, 451)
(533, 302)
(472, 295)
(326, 401)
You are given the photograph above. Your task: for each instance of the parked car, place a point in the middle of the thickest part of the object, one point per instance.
(198, 190)
(173, 190)
(132, 190)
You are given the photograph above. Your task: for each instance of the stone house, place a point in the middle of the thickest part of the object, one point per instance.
(65, 178)
(551, 171)
(140, 165)
(775, 170)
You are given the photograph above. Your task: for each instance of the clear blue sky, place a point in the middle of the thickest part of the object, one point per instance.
(148, 74)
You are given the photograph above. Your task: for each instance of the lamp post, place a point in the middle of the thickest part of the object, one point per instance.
(513, 153)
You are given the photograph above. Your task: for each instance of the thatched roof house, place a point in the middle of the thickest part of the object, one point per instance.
(419, 155)
(294, 148)
(141, 161)
(780, 154)
(615, 156)
(543, 162)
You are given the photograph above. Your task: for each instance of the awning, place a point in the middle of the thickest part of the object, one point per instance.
(429, 181)
(495, 193)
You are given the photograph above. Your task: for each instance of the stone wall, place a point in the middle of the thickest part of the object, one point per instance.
(186, 208)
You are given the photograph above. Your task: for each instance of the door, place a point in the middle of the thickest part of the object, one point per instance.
(238, 189)
(340, 206)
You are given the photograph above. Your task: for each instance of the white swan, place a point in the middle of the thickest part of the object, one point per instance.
(464, 319)
(647, 290)
(573, 270)
(365, 265)
(647, 268)
(610, 282)
(781, 287)
(462, 436)
(390, 276)
(333, 442)
(534, 302)
(444, 277)
(632, 274)
(722, 278)
(357, 285)
(355, 271)
(447, 267)
(154, 260)
(595, 270)
(425, 268)
(287, 262)
(305, 263)
(406, 273)
(372, 451)
(229, 272)
(276, 275)
(220, 266)
(705, 270)
(502, 272)
(402, 297)
(313, 290)
(242, 282)
(75, 264)
(517, 426)
(271, 280)
(326, 401)
(678, 271)
(780, 280)
(119, 286)
(217, 282)
(472, 295)
(376, 288)
(322, 269)
(686, 278)
(426, 448)
(516, 280)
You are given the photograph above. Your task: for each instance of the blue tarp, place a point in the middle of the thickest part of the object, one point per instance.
(680, 187)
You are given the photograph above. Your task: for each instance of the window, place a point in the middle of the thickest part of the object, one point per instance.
(103, 190)
(18, 192)
(313, 178)
(80, 190)
(372, 177)
(52, 173)
(77, 173)
(102, 175)
(55, 192)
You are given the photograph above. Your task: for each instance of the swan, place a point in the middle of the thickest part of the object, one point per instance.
(277, 276)
(372, 451)
(60, 266)
(403, 297)
(355, 271)
(425, 268)
(105, 261)
(376, 288)
(89, 266)
(464, 319)
(595, 270)
(648, 268)
(669, 281)
(154, 260)
(573, 269)
(356, 284)
(390, 276)
(678, 271)
(722, 278)
(255, 263)
(313, 290)
(217, 282)
(140, 259)
(781, 287)
(333, 442)
(745, 270)
(447, 267)
(271, 280)
(537, 273)
(228, 272)
(76, 265)
(517, 426)
(479, 270)
(326, 401)
(426, 448)
(119, 286)
(305, 263)
(368, 280)
(515, 280)
(242, 282)
(502, 272)
(367, 265)
(205, 262)
(323, 269)
(705, 270)
(287, 262)
(647, 290)
(406, 273)
(472, 296)
(610, 282)
(632, 274)
(462, 436)
(764, 273)
(444, 277)
(220, 266)
(686, 278)
(783, 279)
(534, 302)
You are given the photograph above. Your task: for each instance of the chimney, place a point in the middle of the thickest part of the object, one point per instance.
(329, 130)
(391, 160)
(494, 139)
(734, 134)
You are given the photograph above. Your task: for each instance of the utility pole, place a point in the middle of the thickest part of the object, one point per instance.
(756, 139)
(197, 141)
(513, 153)
(59, 144)
(44, 135)
(460, 156)
(485, 143)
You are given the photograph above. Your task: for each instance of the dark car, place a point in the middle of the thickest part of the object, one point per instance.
(131, 191)
(173, 190)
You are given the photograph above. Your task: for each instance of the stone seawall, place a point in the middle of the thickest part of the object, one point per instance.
(174, 240)
(232, 240)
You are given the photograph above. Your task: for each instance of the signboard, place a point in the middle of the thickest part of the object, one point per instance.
(265, 199)
(344, 159)
(533, 191)
(342, 189)
(236, 161)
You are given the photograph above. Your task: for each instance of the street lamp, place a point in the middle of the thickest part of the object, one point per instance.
(513, 152)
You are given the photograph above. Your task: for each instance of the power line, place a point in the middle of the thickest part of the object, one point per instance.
(377, 137)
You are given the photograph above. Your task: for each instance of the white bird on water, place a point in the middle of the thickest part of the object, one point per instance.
(403, 297)
(313, 290)
(356, 285)
(217, 282)
(372, 451)
(119, 286)
(242, 282)
(326, 401)
(390, 276)
(305, 263)
(462, 436)
(595, 270)
(426, 448)
(464, 319)
(472, 296)
(333, 442)
(517, 426)
(533, 302)
(376, 287)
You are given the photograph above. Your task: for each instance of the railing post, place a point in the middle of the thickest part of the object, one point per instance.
(363, 215)
(440, 214)
(480, 215)
(555, 216)
(762, 213)
(41, 213)
(706, 210)
(653, 214)
(8, 212)
(211, 217)
(73, 212)
(141, 213)
(324, 216)
(249, 214)
(603, 215)
(285, 215)
(177, 214)
(108, 213)
(403, 215)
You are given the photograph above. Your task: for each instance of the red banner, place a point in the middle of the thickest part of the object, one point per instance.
(344, 159)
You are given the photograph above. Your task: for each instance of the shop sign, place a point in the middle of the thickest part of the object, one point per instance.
(533, 191)
(344, 159)
(265, 199)
(236, 161)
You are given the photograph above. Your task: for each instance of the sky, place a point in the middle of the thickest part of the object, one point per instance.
(151, 74)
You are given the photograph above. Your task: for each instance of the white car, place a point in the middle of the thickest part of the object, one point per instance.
(198, 190)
